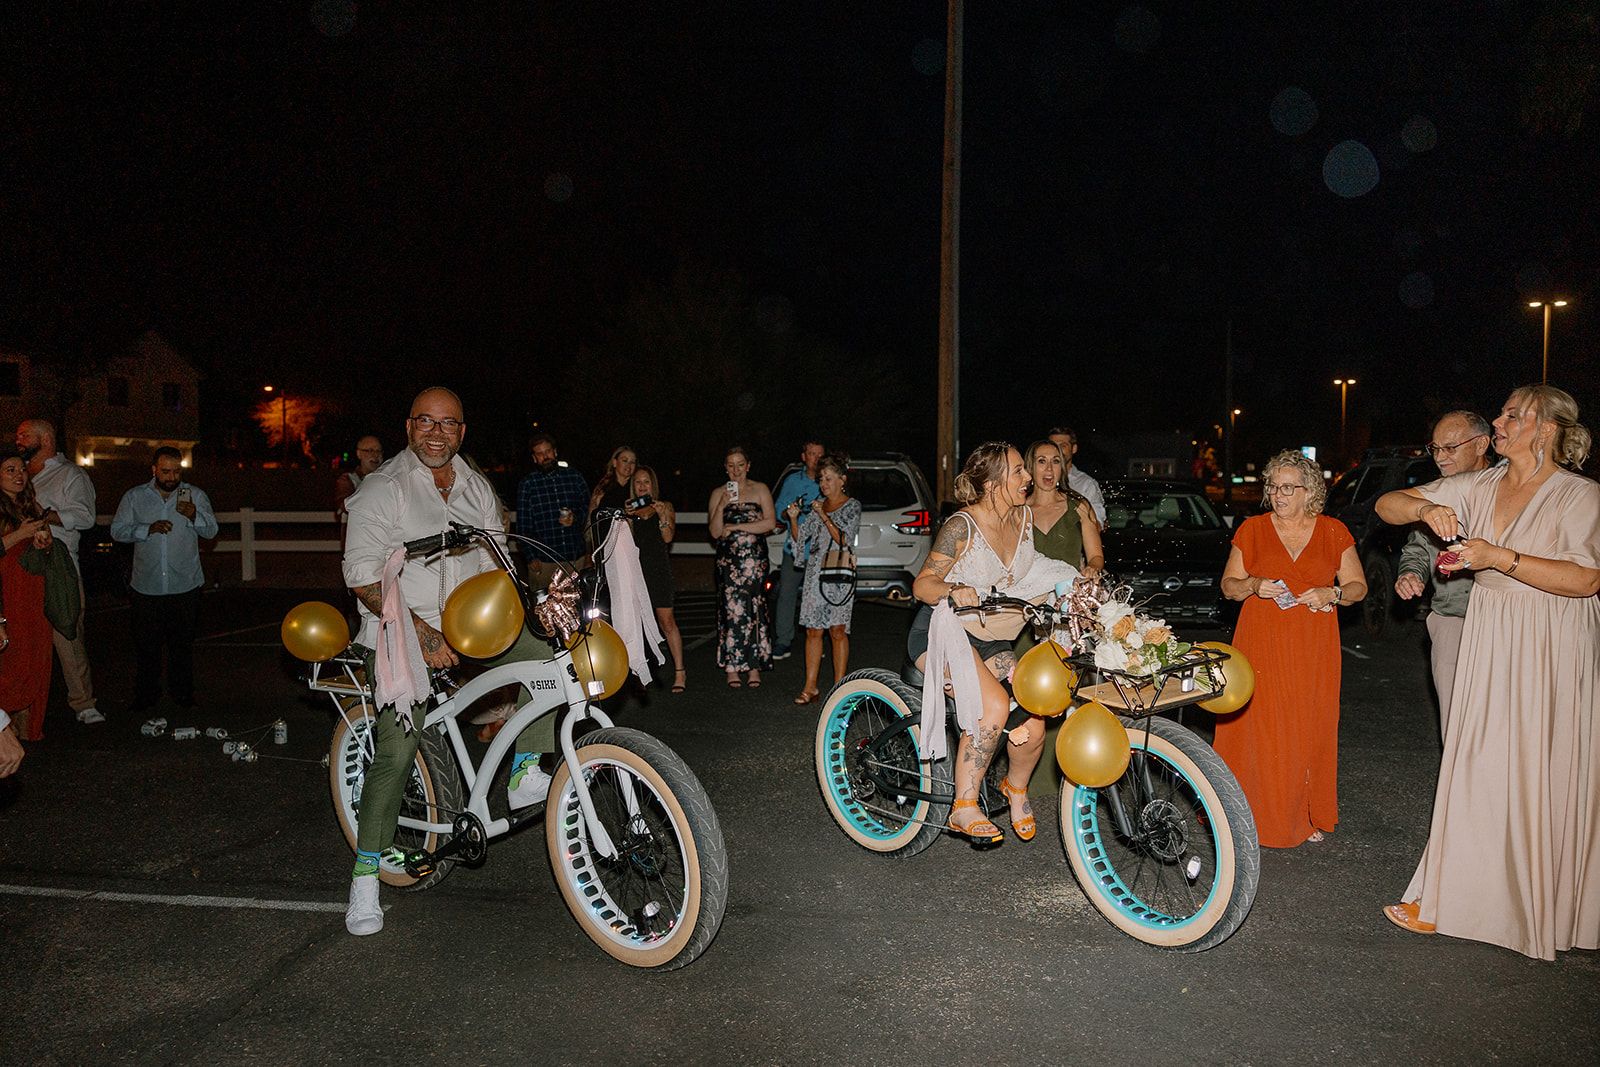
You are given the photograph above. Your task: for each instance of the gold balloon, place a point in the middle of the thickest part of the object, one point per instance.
(483, 616)
(600, 658)
(1239, 680)
(1092, 747)
(314, 631)
(1044, 681)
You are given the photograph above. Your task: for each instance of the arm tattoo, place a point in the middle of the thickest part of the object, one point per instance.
(938, 567)
(952, 536)
(430, 639)
(371, 596)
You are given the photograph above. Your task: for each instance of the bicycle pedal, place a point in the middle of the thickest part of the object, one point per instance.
(420, 864)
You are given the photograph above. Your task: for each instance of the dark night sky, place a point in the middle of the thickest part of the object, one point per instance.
(466, 191)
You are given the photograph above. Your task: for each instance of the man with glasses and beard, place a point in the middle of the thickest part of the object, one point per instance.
(1460, 443)
(414, 495)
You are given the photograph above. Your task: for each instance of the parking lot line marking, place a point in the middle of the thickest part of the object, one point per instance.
(185, 901)
(1353, 652)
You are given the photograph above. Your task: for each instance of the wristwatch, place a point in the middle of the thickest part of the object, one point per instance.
(1338, 594)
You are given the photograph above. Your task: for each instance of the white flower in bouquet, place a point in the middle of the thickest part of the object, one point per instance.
(1110, 656)
(1113, 612)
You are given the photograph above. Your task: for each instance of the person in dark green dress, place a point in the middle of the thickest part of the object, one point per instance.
(1064, 526)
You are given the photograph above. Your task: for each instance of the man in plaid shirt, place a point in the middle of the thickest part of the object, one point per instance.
(552, 504)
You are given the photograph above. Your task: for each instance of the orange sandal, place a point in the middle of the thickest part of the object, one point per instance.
(981, 831)
(1407, 917)
(1026, 826)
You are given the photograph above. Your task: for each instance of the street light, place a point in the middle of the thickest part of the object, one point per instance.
(283, 420)
(1547, 305)
(1344, 385)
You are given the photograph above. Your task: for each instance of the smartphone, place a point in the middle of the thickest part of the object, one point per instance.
(733, 492)
(1285, 599)
(183, 493)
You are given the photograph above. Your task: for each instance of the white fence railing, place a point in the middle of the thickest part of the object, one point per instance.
(249, 544)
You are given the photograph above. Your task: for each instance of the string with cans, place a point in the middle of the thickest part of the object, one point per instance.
(244, 748)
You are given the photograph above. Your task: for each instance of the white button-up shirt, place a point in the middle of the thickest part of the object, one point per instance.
(1088, 488)
(163, 564)
(66, 489)
(397, 503)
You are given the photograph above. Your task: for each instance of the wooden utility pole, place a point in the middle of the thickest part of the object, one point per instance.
(950, 265)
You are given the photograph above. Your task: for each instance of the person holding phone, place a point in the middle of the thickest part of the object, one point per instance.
(830, 522)
(654, 523)
(740, 515)
(1292, 567)
(164, 520)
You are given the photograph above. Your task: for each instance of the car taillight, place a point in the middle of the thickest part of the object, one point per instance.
(916, 522)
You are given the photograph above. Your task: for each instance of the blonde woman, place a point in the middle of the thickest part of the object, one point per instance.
(1513, 857)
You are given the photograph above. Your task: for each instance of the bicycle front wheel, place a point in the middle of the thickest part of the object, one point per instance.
(1168, 852)
(867, 752)
(432, 792)
(659, 901)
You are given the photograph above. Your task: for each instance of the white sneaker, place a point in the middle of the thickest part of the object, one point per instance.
(90, 715)
(531, 789)
(364, 916)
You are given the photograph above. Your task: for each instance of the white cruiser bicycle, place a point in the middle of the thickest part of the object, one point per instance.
(632, 836)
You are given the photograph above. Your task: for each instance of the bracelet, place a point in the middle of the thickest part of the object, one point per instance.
(1515, 562)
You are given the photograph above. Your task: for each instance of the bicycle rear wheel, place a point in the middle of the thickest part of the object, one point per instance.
(660, 900)
(1185, 877)
(867, 738)
(433, 791)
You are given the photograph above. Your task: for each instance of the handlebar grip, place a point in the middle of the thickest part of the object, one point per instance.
(426, 545)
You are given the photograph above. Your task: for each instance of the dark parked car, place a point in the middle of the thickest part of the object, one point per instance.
(1165, 539)
(1352, 499)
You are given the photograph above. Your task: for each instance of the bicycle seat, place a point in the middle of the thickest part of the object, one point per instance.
(910, 675)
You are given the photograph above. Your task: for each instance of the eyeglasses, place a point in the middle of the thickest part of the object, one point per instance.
(1450, 450)
(1282, 490)
(426, 423)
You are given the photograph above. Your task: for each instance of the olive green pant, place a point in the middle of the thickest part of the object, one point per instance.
(395, 748)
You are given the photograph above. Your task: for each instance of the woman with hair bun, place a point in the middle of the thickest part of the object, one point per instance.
(988, 544)
(1513, 853)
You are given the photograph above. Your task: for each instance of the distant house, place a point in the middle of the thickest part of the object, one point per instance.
(116, 410)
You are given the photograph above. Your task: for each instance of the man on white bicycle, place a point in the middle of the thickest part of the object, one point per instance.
(416, 494)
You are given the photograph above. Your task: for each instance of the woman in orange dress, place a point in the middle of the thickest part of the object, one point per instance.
(1292, 567)
(25, 659)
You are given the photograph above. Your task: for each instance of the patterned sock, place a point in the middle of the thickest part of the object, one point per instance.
(366, 864)
(520, 764)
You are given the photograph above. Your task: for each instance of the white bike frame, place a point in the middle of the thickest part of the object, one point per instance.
(550, 684)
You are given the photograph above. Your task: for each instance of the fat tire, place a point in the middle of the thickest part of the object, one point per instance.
(435, 780)
(684, 837)
(1234, 856)
(860, 707)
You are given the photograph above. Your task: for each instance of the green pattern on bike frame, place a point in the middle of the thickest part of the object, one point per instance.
(1085, 825)
(839, 769)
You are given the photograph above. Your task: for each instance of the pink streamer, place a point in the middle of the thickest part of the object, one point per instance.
(950, 652)
(402, 672)
(632, 615)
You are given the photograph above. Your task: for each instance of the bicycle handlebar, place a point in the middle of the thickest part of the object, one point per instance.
(459, 535)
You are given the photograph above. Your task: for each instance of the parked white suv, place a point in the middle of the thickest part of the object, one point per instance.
(897, 522)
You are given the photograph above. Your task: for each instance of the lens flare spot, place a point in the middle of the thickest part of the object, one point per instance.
(1350, 169)
(558, 188)
(1416, 290)
(333, 18)
(1419, 134)
(1293, 112)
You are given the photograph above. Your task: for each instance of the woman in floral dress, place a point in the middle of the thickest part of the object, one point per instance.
(740, 514)
(830, 523)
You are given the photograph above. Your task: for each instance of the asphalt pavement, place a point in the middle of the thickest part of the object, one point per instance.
(160, 903)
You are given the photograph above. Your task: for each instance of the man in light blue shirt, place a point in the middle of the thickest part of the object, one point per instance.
(164, 520)
(800, 485)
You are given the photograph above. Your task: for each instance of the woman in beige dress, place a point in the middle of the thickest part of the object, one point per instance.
(1513, 854)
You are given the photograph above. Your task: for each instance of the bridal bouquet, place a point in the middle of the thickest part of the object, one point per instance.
(1131, 643)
